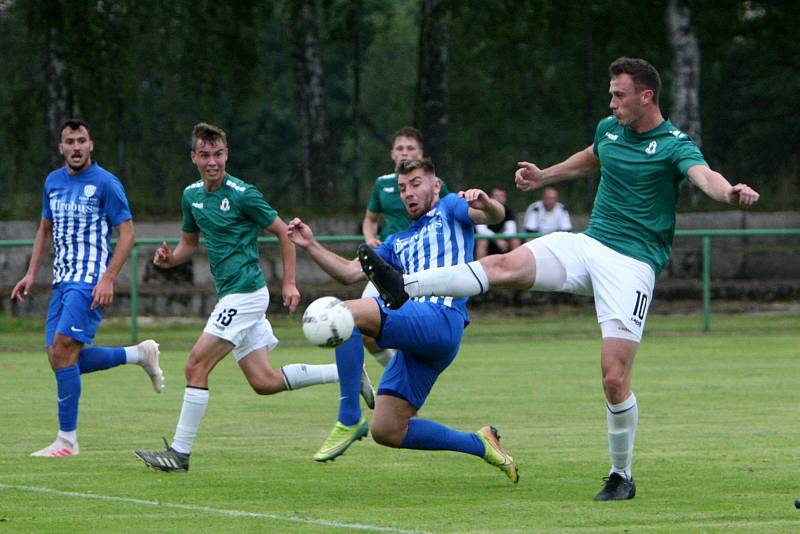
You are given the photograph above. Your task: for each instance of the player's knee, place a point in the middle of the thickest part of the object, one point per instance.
(387, 435)
(613, 382)
(61, 355)
(195, 371)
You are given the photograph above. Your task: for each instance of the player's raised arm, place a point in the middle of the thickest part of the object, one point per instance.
(340, 269)
(717, 187)
(580, 164)
(482, 208)
(291, 296)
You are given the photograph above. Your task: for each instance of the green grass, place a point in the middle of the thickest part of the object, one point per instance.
(716, 449)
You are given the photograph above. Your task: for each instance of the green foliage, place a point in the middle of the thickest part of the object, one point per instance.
(714, 447)
(527, 80)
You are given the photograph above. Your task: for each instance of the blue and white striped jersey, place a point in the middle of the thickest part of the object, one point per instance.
(83, 209)
(442, 237)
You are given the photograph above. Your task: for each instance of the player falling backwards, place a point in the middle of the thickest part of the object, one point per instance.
(643, 160)
(426, 332)
(230, 213)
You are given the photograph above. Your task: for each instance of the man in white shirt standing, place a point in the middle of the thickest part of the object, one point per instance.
(548, 214)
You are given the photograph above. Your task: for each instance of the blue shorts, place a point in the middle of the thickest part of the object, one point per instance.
(427, 338)
(70, 313)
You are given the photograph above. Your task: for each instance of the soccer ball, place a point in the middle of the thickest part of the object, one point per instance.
(327, 322)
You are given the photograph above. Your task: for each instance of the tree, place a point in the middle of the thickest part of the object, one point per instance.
(431, 113)
(310, 98)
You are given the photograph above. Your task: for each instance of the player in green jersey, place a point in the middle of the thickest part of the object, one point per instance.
(230, 213)
(643, 160)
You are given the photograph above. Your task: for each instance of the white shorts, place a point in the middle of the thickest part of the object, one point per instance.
(241, 319)
(369, 291)
(622, 286)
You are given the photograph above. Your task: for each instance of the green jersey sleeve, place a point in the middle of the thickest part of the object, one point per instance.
(687, 154)
(189, 225)
(256, 207)
(375, 199)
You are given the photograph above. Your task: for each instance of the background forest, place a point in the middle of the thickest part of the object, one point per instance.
(311, 91)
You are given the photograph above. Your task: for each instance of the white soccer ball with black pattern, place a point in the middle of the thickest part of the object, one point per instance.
(327, 322)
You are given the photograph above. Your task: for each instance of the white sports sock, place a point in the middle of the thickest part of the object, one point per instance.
(132, 354)
(462, 280)
(195, 401)
(622, 420)
(70, 436)
(300, 375)
(383, 356)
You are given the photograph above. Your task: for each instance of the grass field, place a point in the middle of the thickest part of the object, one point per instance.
(716, 449)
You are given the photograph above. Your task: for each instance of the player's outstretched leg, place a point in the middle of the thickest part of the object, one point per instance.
(340, 438)
(168, 460)
(616, 487)
(149, 360)
(496, 455)
(387, 279)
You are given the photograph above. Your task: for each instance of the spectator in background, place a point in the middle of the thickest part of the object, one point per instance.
(547, 215)
(508, 225)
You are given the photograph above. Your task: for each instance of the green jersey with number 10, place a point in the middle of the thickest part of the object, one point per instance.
(640, 178)
(230, 219)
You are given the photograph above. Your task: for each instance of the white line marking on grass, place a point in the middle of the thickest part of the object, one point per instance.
(208, 509)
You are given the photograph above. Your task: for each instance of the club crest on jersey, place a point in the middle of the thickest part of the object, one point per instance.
(651, 148)
(225, 205)
(89, 190)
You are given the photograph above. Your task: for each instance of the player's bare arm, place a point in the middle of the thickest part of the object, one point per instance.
(44, 235)
(340, 269)
(529, 176)
(717, 187)
(167, 258)
(482, 208)
(103, 292)
(291, 296)
(369, 227)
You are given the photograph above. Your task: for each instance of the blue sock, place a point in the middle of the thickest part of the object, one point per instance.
(432, 436)
(349, 361)
(93, 359)
(68, 381)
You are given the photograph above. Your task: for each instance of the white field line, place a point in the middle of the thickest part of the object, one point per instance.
(208, 509)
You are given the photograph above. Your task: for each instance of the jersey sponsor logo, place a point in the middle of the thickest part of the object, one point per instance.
(225, 205)
(89, 190)
(388, 189)
(72, 328)
(198, 205)
(611, 136)
(235, 187)
(60, 205)
(651, 148)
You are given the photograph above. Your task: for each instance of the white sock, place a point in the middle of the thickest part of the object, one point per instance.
(383, 356)
(195, 401)
(70, 436)
(462, 280)
(300, 375)
(622, 420)
(132, 354)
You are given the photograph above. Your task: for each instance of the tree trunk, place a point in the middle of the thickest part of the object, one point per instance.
(310, 97)
(431, 103)
(58, 98)
(685, 108)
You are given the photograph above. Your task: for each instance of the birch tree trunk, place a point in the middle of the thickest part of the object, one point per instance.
(58, 98)
(685, 108)
(318, 179)
(431, 102)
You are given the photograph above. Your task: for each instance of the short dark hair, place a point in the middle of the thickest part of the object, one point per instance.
(209, 133)
(644, 75)
(408, 131)
(74, 124)
(407, 166)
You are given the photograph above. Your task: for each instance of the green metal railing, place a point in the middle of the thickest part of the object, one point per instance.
(704, 235)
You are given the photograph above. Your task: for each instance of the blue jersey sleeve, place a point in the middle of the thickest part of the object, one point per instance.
(115, 203)
(46, 212)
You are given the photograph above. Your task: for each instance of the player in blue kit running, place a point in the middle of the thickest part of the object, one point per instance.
(81, 204)
(426, 332)
(643, 160)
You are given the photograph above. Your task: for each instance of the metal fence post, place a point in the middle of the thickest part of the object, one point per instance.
(706, 283)
(135, 294)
